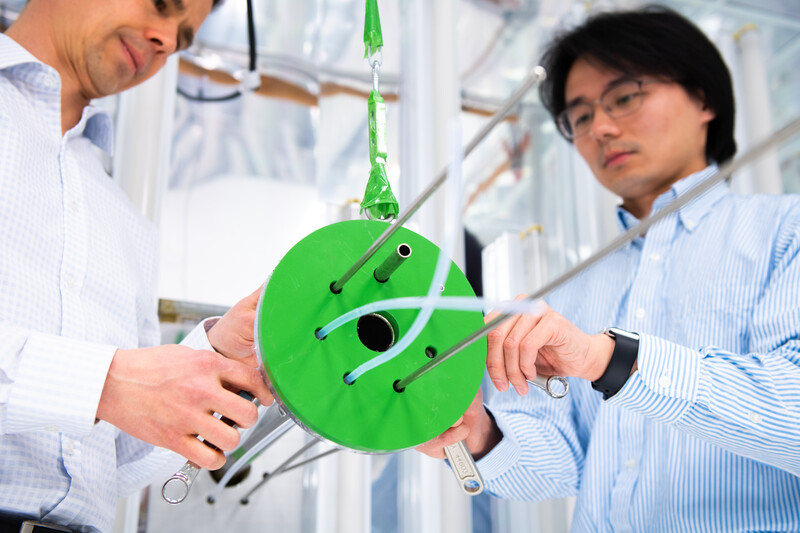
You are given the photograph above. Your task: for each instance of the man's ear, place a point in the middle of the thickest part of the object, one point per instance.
(709, 113)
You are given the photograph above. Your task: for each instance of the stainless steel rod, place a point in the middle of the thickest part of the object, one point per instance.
(392, 262)
(536, 76)
(640, 229)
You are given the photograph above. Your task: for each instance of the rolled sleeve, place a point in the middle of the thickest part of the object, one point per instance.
(666, 383)
(503, 456)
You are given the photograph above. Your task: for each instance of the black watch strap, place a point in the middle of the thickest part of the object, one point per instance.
(626, 350)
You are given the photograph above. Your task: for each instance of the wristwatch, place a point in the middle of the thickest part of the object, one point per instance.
(626, 350)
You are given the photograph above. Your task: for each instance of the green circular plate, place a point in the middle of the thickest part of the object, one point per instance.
(307, 374)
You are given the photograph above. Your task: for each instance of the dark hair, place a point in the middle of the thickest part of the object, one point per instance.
(215, 3)
(653, 41)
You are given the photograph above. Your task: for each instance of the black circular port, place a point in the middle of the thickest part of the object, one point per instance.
(396, 388)
(431, 352)
(335, 291)
(375, 332)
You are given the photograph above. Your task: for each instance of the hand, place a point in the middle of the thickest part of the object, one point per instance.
(548, 344)
(233, 334)
(476, 427)
(167, 395)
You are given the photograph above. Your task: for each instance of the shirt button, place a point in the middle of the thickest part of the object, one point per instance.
(655, 257)
(640, 312)
(631, 463)
(664, 382)
(690, 224)
(73, 205)
(755, 418)
(51, 428)
(69, 281)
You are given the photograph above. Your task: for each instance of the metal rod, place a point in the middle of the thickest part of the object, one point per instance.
(392, 262)
(309, 460)
(281, 468)
(640, 229)
(533, 79)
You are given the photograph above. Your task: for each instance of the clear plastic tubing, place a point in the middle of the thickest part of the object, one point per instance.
(455, 303)
(442, 263)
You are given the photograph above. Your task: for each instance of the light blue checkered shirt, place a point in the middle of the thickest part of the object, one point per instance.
(705, 436)
(77, 267)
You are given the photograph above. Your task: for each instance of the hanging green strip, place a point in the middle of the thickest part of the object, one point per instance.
(373, 39)
(379, 201)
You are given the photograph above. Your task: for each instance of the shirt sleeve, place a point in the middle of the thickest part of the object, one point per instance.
(198, 338)
(49, 382)
(748, 403)
(543, 447)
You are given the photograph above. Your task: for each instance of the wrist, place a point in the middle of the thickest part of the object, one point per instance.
(602, 350)
(491, 436)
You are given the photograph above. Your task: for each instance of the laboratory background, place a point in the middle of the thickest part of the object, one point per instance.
(249, 141)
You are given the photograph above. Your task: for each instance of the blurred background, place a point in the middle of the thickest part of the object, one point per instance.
(233, 184)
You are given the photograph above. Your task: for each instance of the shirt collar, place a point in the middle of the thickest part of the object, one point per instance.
(13, 54)
(690, 215)
(95, 123)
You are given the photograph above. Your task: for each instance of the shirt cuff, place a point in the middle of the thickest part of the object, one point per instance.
(198, 337)
(666, 383)
(58, 385)
(503, 456)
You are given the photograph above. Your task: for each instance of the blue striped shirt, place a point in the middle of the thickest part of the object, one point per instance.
(77, 273)
(705, 436)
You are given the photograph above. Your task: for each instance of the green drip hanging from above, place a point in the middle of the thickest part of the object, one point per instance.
(379, 202)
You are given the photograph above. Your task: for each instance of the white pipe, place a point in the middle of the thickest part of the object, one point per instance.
(757, 108)
(143, 144)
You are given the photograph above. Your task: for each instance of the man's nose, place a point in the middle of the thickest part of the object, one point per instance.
(163, 35)
(603, 126)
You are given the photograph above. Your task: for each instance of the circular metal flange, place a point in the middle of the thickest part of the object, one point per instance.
(307, 374)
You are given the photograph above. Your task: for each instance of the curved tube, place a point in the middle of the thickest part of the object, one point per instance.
(454, 303)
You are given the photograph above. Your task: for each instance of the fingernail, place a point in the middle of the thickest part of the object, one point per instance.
(500, 384)
(520, 390)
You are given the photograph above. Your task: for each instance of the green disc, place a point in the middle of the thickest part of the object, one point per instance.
(307, 374)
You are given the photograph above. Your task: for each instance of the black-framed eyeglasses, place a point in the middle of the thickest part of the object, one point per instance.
(618, 101)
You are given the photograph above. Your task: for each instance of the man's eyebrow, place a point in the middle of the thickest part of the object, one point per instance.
(608, 86)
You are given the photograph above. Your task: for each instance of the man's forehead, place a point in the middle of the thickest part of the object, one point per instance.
(587, 78)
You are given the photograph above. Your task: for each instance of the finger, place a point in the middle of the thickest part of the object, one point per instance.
(513, 354)
(539, 338)
(236, 409)
(246, 378)
(217, 433)
(200, 453)
(252, 299)
(495, 359)
(435, 447)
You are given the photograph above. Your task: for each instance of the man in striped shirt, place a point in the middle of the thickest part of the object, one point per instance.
(84, 391)
(686, 414)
